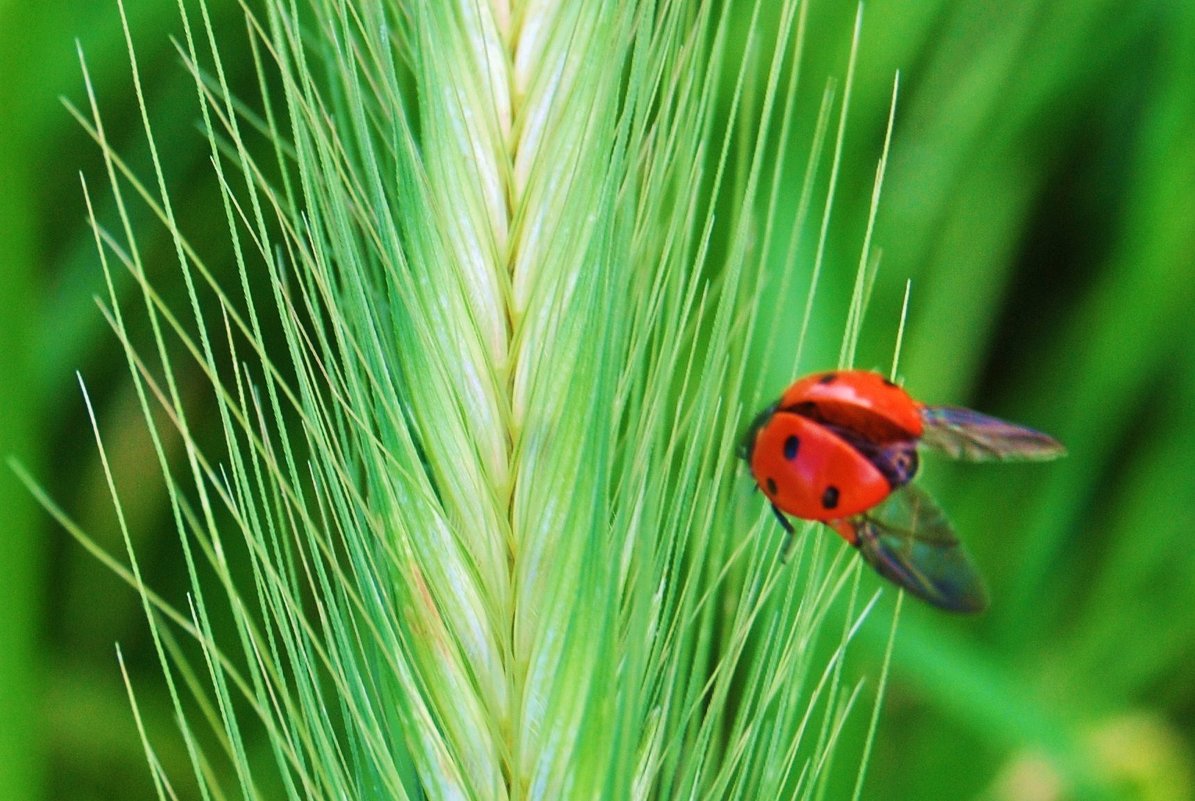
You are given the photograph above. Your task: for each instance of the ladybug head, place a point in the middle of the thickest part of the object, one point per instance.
(747, 440)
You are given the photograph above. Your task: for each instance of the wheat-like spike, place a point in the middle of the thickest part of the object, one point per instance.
(485, 488)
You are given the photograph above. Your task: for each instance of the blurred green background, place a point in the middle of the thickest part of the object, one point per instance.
(1040, 197)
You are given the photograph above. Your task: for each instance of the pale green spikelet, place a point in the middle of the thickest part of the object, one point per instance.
(498, 542)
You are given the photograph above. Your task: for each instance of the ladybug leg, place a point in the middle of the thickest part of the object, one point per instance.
(786, 550)
(784, 524)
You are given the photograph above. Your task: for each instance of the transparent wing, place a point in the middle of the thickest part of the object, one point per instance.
(908, 540)
(974, 437)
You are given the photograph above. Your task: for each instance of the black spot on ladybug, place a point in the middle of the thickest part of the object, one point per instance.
(830, 497)
(770, 485)
(888, 383)
(828, 378)
(791, 446)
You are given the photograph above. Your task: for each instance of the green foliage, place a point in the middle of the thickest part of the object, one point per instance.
(468, 528)
(403, 342)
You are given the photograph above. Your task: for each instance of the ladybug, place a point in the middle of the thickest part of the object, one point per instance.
(841, 448)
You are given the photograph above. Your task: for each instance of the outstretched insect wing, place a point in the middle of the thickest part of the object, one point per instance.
(908, 540)
(974, 437)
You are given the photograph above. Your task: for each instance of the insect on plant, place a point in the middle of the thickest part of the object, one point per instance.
(841, 448)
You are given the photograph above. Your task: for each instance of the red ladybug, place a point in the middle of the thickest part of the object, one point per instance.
(838, 446)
